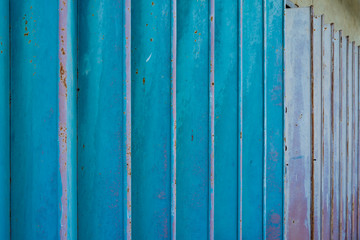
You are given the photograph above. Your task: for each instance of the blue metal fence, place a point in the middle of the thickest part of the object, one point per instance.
(141, 119)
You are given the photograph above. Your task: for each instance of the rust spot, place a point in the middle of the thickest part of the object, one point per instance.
(137, 71)
(147, 24)
(153, 3)
(62, 51)
(151, 39)
(62, 75)
(26, 34)
(211, 18)
(212, 83)
(143, 81)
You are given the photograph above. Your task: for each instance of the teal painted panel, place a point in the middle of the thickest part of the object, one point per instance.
(252, 120)
(192, 119)
(151, 120)
(4, 121)
(34, 120)
(273, 118)
(226, 119)
(101, 157)
(144, 119)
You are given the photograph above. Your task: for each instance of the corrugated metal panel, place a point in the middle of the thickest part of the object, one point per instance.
(297, 127)
(142, 119)
(321, 151)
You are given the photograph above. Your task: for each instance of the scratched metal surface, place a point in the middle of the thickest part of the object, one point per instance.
(142, 119)
(297, 126)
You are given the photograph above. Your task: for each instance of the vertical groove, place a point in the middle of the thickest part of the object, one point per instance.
(212, 117)
(353, 232)
(240, 115)
(9, 49)
(127, 93)
(312, 206)
(332, 141)
(173, 117)
(265, 109)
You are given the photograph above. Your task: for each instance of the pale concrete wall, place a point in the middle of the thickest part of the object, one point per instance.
(345, 14)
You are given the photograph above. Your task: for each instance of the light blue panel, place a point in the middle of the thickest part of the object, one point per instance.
(316, 125)
(343, 134)
(101, 116)
(297, 124)
(192, 119)
(349, 139)
(252, 111)
(273, 118)
(151, 120)
(34, 120)
(226, 120)
(327, 154)
(355, 129)
(4, 122)
(335, 169)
